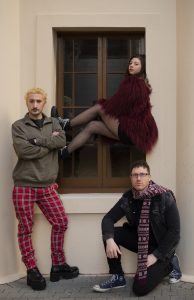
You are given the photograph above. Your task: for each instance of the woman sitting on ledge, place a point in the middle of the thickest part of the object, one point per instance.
(125, 117)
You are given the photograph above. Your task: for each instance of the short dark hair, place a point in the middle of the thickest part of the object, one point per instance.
(140, 163)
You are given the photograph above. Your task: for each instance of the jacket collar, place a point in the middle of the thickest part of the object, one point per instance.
(29, 121)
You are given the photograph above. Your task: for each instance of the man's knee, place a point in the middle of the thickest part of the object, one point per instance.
(61, 224)
(60, 227)
(140, 289)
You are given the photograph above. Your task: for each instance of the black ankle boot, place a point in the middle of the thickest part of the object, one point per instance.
(35, 279)
(54, 112)
(65, 153)
(65, 123)
(63, 272)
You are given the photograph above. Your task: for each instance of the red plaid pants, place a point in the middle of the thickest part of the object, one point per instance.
(51, 205)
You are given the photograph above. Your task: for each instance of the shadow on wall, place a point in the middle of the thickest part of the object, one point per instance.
(8, 223)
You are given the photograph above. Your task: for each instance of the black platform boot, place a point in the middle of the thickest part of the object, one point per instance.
(35, 279)
(63, 272)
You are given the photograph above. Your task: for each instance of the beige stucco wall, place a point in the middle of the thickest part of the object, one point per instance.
(10, 107)
(28, 59)
(185, 132)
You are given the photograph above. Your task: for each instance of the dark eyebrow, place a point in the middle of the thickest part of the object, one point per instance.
(35, 99)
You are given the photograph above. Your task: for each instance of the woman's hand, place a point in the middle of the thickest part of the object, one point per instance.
(151, 260)
(112, 250)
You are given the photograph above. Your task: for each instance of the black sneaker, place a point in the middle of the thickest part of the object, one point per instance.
(63, 272)
(65, 123)
(35, 279)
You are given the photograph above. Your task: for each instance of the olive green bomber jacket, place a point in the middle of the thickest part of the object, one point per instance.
(37, 165)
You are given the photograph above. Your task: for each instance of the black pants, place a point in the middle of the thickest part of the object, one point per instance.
(127, 238)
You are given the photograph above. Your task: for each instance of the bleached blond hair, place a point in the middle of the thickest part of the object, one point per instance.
(36, 90)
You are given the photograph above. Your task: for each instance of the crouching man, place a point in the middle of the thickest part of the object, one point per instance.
(152, 231)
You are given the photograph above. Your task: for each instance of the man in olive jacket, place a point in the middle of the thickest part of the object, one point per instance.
(152, 231)
(37, 140)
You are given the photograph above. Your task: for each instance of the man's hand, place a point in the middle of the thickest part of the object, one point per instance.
(112, 250)
(32, 141)
(151, 260)
(55, 133)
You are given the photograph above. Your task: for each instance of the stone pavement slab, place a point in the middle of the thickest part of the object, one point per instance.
(81, 289)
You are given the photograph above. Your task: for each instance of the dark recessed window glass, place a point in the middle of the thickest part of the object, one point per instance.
(85, 89)
(68, 55)
(86, 55)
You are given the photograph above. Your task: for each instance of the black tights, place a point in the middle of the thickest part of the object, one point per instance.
(127, 238)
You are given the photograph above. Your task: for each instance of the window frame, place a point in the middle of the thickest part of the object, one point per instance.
(85, 184)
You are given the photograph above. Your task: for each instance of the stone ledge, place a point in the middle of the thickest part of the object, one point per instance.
(93, 203)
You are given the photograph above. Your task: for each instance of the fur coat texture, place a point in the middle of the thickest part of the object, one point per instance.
(131, 106)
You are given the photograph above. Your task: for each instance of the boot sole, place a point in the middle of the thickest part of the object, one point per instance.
(56, 277)
(36, 286)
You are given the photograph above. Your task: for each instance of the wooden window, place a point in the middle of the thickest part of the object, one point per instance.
(90, 66)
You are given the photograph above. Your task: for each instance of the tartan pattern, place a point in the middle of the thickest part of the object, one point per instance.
(51, 205)
(152, 190)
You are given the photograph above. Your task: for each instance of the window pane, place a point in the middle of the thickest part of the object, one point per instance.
(67, 167)
(117, 55)
(118, 162)
(68, 56)
(85, 89)
(113, 81)
(137, 46)
(86, 55)
(83, 162)
(119, 159)
(86, 164)
(68, 89)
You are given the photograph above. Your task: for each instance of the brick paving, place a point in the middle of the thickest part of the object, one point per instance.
(81, 288)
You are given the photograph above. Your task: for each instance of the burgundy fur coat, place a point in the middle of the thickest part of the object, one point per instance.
(131, 106)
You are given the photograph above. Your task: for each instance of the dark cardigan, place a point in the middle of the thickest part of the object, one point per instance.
(131, 106)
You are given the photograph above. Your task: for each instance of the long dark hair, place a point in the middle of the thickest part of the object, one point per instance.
(142, 74)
